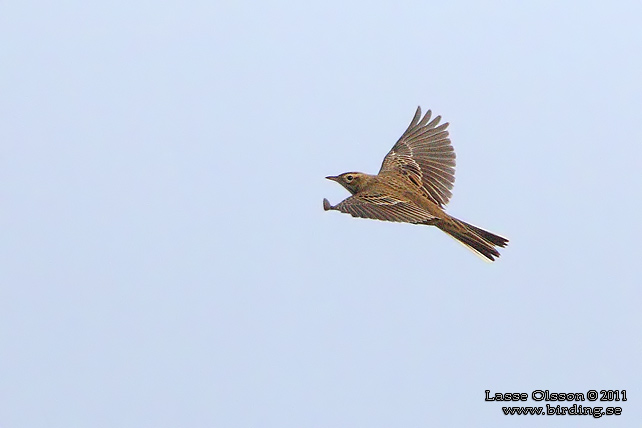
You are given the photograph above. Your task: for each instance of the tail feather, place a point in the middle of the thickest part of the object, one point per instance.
(497, 240)
(479, 240)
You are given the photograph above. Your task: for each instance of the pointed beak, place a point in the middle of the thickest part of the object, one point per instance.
(333, 178)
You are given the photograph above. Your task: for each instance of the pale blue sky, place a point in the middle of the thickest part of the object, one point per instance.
(166, 261)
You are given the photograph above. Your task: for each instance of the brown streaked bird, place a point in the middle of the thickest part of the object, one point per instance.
(414, 185)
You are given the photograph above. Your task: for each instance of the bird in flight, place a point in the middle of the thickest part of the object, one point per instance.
(414, 185)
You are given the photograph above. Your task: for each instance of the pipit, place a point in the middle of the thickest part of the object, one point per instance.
(414, 185)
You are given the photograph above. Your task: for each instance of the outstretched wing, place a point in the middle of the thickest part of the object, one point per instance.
(424, 154)
(381, 207)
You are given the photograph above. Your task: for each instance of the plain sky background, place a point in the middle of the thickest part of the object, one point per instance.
(166, 261)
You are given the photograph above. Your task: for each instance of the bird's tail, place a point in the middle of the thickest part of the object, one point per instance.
(478, 240)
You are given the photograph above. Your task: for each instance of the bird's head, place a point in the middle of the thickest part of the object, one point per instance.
(352, 181)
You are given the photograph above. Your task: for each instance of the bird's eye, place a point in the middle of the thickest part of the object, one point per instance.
(349, 177)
